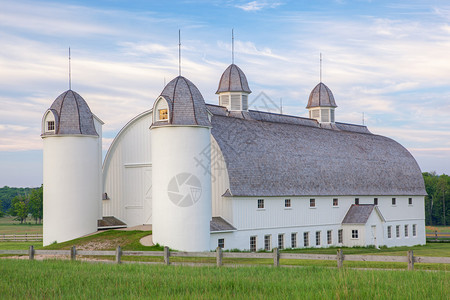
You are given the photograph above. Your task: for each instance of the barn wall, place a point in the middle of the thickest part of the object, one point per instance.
(127, 173)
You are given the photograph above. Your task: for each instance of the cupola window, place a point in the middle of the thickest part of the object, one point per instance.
(163, 114)
(50, 125)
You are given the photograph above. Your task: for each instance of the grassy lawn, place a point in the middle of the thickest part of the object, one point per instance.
(77, 280)
(9, 226)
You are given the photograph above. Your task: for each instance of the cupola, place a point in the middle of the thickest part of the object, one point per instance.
(68, 115)
(233, 89)
(321, 104)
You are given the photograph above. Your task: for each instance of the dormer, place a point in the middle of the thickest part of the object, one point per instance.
(321, 104)
(161, 110)
(233, 89)
(49, 122)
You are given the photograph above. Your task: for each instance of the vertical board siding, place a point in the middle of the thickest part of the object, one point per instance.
(221, 206)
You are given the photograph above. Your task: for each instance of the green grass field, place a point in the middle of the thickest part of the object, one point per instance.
(22, 279)
(9, 226)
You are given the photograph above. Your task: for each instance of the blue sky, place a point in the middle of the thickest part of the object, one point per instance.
(386, 59)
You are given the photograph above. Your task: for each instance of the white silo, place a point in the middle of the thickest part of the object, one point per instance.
(72, 169)
(181, 160)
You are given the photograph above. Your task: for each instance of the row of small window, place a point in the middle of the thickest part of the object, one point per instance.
(312, 202)
(405, 231)
(306, 243)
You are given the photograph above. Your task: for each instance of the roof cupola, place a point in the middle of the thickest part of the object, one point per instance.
(233, 89)
(321, 104)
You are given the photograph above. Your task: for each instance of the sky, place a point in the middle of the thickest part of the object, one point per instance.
(386, 62)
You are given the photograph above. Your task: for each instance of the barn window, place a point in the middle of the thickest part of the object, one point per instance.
(354, 233)
(389, 232)
(221, 243)
(267, 243)
(340, 236)
(287, 202)
(394, 201)
(357, 201)
(253, 243)
(329, 237)
(163, 114)
(260, 203)
(294, 240)
(280, 241)
(332, 115)
(375, 201)
(235, 102)
(306, 239)
(406, 230)
(414, 230)
(50, 125)
(335, 202)
(317, 238)
(244, 102)
(224, 100)
(312, 202)
(409, 201)
(397, 231)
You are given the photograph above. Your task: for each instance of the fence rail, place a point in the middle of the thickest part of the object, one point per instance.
(219, 255)
(33, 237)
(438, 236)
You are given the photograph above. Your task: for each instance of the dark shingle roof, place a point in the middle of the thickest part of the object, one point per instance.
(233, 80)
(186, 104)
(73, 115)
(219, 224)
(321, 95)
(277, 155)
(358, 214)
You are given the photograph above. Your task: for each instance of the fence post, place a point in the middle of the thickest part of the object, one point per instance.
(340, 258)
(73, 253)
(118, 255)
(31, 253)
(435, 235)
(276, 257)
(410, 260)
(219, 256)
(166, 255)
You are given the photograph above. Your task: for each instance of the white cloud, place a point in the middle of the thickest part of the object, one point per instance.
(258, 5)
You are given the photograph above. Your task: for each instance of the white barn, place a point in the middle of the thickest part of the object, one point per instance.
(222, 175)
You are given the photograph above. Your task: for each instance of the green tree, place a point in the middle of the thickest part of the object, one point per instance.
(19, 208)
(36, 204)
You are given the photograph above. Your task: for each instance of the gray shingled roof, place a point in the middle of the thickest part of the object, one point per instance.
(72, 115)
(358, 214)
(186, 104)
(219, 224)
(321, 95)
(279, 155)
(233, 80)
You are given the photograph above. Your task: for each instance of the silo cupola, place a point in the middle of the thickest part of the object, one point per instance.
(233, 89)
(321, 104)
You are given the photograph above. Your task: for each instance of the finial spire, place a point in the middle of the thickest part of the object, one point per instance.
(232, 45)
(70, 73)
(179, 52)
(321, 67)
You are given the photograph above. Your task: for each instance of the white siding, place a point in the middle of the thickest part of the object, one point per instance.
(127, 173)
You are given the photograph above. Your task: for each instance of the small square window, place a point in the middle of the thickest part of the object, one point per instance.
(357, 201)
(280, 241)
(260, 203)
(409, 201)
(340, 236)
(253, 243)
(305, 239)
(397, 231)
(406, 231)
(389, 232)
(375, 201)
(267, 242)
(221, 243)
(317, 238)
(354, 233)
(335, 202)
(294, 240)
(287, 202)
(312, 202)
(329, 237)
(163, 114)
(51, 125)
(394, 201)
(414, 230)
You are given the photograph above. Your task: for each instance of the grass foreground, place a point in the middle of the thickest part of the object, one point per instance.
(49, 279)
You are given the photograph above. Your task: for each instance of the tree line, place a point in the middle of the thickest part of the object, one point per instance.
(22, 202)
(437, 202)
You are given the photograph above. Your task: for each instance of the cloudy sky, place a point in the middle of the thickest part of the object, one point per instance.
(386, 60)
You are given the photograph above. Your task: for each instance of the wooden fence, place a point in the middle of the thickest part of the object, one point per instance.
(438, 236)
(219, 255)
(34, 237)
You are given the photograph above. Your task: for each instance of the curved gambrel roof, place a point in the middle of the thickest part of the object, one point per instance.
(278, 158)
(233, 80)
(72, 115)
